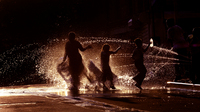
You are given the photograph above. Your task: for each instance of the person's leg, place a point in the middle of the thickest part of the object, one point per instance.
(75, 81)
(76, 72)
(180, 68)
(193, 73)
(110, 78)
(111, 83)
(140, 77)
(103, 79)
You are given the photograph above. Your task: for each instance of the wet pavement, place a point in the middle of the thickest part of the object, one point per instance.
(48, 98)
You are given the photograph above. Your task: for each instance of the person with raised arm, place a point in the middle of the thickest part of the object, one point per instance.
(106, 71)
(76, 66)
(139, 62)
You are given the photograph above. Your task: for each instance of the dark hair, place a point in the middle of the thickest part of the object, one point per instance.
(71, 36)
(106, 47)
(138, 42)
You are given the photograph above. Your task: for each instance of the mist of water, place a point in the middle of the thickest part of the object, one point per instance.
(158, 61)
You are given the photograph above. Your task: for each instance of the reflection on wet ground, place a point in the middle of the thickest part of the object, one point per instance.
(63, 95)
(113, 100)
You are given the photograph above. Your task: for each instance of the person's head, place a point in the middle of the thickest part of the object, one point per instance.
(170, 22)
(106, 47)
(196, 32)
(71, 36)
(138, 42)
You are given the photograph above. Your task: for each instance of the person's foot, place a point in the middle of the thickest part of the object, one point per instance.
(138, 86)
(113, 87)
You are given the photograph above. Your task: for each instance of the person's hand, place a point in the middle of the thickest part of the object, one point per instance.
(119, 47)
(151, 41)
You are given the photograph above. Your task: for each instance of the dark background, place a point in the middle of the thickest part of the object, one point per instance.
(26, 21)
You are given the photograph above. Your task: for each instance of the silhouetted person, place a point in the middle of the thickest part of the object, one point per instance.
(76, 66)
(139, 62)
(195, 51)
(175, 35)
(106, 71)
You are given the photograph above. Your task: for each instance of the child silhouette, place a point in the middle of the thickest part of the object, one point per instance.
(106, 71)
(139, 62)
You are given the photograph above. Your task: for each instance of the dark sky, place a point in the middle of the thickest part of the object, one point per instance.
(25, 20)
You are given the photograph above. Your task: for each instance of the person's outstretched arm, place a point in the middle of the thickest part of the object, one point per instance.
(65, 55)
(147, 47)
(83, 49)
(117, 50)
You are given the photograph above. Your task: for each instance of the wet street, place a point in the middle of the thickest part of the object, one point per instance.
(46, 98)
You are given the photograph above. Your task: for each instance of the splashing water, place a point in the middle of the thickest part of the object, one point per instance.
(158, 61)
(19, 65)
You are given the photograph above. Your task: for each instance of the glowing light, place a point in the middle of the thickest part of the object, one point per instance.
(33, 91)
(151, 41)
